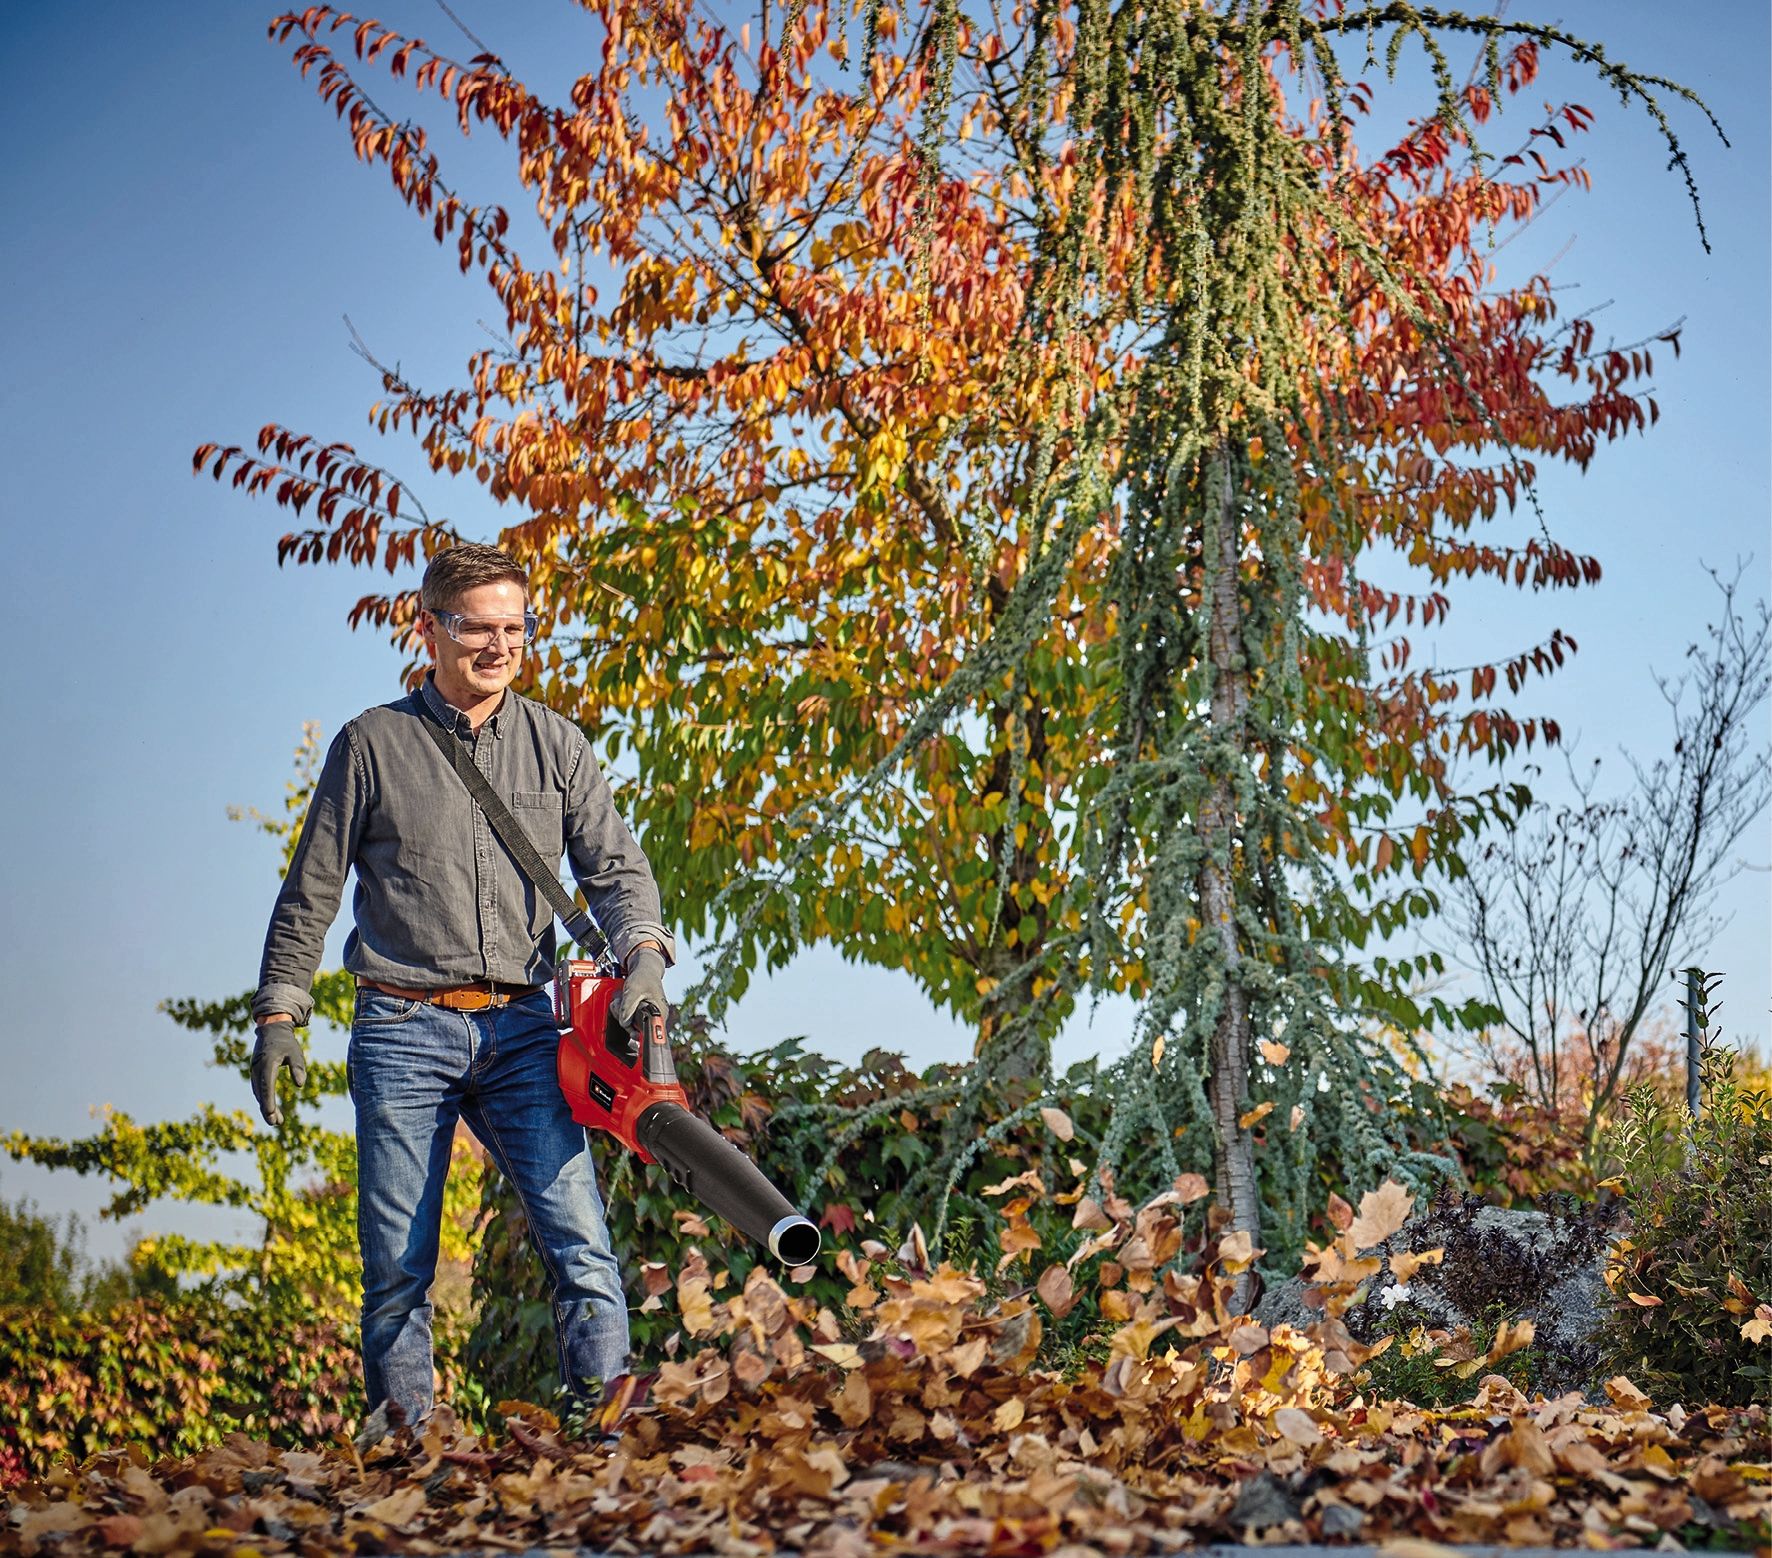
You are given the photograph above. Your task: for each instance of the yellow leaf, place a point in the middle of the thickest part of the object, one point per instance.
(846, 1355)
(1237, 1250)
(1254, 1117)
(1645, 1300)
(1009, 1415)
(1157, 1051)
(1404, 1265)
(697, 1307)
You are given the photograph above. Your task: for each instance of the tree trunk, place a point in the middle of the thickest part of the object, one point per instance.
(1228, 1082)
(1026, 1062)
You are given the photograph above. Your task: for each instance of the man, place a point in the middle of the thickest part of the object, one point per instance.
(452, 948)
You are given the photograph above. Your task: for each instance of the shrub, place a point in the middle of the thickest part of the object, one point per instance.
(1421, 1364)
(171, 1377)
(1689, 1307)
(854, 1146)
(39, 1258)
(843, 1142)
(1512, 1150)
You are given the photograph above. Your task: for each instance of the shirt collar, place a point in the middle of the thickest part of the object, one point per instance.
(452, 718)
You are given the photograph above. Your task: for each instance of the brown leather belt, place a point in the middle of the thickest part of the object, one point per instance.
(458, 998)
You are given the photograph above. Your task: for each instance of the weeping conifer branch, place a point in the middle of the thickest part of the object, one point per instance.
(1208, 233)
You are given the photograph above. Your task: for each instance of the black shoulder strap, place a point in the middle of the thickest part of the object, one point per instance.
(583, 929)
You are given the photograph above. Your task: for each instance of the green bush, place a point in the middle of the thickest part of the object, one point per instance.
(39, 1259)
(1684, 1285)
(1420, 1365)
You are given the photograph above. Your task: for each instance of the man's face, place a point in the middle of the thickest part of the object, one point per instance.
(485, 665)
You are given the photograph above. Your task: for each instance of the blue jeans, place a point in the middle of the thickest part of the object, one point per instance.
(414, 1070)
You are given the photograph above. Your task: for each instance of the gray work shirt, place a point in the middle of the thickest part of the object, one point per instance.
(439, 900)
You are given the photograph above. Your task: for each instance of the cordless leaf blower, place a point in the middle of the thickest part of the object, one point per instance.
(626, 1084)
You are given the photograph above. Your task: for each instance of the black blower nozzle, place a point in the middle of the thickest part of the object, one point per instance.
(722, 1178)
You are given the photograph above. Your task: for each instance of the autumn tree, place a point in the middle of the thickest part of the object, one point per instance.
(949, 449)
(1579, 920)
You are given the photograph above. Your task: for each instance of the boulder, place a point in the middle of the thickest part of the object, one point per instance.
(1513, 1263)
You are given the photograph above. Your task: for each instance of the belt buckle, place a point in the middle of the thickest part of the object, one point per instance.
(485, 998)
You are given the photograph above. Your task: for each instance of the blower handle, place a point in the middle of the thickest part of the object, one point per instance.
(650, 1044)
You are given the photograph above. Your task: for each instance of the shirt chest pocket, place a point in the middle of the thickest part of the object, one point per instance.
(542, 815)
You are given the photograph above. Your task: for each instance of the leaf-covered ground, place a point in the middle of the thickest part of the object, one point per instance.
(924, 1422)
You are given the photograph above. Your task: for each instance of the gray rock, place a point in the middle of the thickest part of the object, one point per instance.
(1340, 1520)
(1521, 1263)
(1283, 1304)
(1262, 1504)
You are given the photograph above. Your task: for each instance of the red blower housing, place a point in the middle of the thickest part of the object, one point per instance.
(625, 1084)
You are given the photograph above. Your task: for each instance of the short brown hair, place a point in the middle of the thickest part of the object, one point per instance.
(459, 568)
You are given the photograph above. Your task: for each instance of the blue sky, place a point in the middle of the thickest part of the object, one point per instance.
(187, 231)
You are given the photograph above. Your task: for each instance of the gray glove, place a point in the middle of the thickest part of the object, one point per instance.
(277, 1046)
(642, 985)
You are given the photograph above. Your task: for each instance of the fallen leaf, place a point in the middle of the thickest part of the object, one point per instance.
(1298, 1426)
(1382, 1212)
(1256, 1115)
(1405, 1264)
(1057, 1291)
(914, 1252)
(120, 1530)
(1089, 1215)
(1059, 1123)
(399, 1507)
(1621, 1392)
(965, 1359)
(1524, 1446)
(1247, 1340)
(854, 1403)
(1191, 1188)
(1236, 1251)
(1273, 1052)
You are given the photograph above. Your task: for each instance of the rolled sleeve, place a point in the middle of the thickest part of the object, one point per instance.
(609, 865)
(313, 886)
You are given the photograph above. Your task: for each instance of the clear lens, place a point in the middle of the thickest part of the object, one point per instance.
(474, 634)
